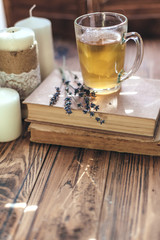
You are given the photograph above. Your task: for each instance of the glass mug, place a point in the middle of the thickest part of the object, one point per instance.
(101, 41)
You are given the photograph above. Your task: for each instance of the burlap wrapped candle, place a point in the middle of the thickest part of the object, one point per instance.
(19, 66)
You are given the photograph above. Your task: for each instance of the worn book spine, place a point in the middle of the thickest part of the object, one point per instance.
(67, 136)
(124, 124)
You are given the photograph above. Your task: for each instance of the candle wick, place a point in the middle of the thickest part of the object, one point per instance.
(31, 9)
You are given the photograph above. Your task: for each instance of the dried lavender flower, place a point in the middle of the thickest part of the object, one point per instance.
(55, 97)
(81, 95)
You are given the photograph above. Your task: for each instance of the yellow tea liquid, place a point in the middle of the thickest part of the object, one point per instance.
(101, 61)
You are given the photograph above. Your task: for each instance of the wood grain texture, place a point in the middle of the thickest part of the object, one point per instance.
(143, 15)
(61, 13)
(130, 209)
(93, 195)
(20, 161)
(69, 201)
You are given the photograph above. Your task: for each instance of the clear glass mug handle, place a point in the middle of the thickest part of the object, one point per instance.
(138, 58)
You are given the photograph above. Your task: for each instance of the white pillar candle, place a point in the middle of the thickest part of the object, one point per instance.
(16, 39)
(43, 32)
(10, 115)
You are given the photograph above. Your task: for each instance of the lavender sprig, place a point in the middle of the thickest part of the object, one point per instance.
(81, 95)
(55, 97)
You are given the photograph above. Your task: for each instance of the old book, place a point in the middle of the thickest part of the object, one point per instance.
(94, 139)
(133, 110)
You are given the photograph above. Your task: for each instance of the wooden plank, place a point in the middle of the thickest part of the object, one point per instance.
(68, 195)
(61, 13)
(8, 12)
(139, 13)
(133, 9)
(130, 209)
(20, 163)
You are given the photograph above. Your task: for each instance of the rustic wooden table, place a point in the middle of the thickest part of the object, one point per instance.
(63, 193)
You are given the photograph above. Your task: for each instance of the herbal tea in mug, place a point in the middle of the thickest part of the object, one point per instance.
(101, 40)
(101, 61)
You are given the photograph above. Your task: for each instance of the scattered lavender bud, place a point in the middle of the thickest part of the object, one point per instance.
(85, 111)
(97, 119)
(93, 105)
(91, 114)
(76, 91)
(102, 121)
(96, 108)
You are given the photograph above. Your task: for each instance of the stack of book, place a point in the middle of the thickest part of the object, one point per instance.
(130, 117)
